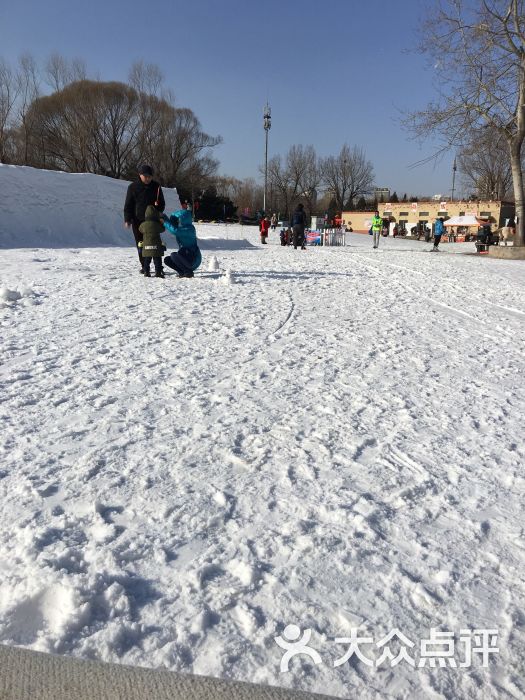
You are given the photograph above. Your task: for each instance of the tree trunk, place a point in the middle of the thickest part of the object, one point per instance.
(517, 181)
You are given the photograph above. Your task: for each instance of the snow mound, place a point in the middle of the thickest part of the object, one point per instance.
(228, 277)
(50, 209)
(213, 265)
(25, 294)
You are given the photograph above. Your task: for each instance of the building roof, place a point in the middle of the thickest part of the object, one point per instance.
(466, 220)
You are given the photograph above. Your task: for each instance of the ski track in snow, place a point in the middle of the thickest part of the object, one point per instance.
(332, 441)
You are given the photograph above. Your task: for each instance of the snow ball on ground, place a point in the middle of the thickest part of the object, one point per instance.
(213, 265)
(220, 498)
(228, 277)
(9, 294)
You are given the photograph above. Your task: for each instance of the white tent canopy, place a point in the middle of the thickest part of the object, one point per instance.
(465, 220)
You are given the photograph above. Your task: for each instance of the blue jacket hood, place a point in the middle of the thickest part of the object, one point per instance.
(184, 217)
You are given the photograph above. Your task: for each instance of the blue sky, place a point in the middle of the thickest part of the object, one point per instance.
(334, 71)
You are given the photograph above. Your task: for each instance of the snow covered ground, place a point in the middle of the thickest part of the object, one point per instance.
(331, 439)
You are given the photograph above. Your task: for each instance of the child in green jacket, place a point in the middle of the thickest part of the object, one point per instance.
(152, 245)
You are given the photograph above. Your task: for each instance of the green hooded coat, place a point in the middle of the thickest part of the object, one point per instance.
(151, 228)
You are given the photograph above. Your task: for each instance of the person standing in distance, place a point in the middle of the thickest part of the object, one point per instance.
(264, 227)
(439, 230)
(142, 193)
(377, 225)
(298, 226)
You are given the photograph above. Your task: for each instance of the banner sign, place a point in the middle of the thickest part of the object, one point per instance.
(313, 238)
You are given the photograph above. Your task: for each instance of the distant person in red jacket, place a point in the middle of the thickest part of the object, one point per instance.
(264, 227)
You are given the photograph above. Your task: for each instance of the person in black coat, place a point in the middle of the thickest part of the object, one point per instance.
(142, 193)
(298, 227)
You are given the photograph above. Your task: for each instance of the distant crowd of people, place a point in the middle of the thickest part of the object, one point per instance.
(144, 214)
(293, 235)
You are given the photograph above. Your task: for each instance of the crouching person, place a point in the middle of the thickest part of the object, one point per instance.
(152, 245)
(188, 258)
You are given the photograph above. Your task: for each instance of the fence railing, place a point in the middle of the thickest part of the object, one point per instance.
(334, 237)
(326, 237)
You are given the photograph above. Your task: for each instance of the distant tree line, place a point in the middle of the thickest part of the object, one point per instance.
(329, 184)
(106, 128)
(57, 117)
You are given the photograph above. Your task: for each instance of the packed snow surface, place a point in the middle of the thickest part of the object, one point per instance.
(329, 438)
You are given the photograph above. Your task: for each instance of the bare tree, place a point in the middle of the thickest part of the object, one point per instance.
(59, 72)
(146, 78)
(294, 178)
(9, 88)
(115, 130)
(89, 127)
(484, 165)
(56, 72)
(347, 175)
(28, 89)
(311, 184)
(77, 70)
(478, 54)
(109, 128)
(246, 194)
(101, 127)
(66, 123)
(180, 144)
(304, 175)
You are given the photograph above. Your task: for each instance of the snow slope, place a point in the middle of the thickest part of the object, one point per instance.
(329, 438)
(46, 208)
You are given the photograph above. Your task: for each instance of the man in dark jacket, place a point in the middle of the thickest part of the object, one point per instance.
(298, 227)
(143, 192)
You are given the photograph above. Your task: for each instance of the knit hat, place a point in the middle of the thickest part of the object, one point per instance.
(146, 170)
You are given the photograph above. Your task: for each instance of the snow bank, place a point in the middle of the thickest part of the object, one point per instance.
(50, 209)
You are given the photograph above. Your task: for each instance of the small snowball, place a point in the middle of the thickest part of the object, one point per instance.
(213, 265)
(228, 277)
(9, 294)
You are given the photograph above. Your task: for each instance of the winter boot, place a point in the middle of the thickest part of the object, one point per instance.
(147, 273)
(159, 274)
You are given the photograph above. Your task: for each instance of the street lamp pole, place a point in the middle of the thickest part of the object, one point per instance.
(267, 126)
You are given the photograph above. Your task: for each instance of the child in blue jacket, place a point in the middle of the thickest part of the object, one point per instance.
(188, 258)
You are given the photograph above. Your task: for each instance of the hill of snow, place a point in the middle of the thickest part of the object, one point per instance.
(50, 209)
